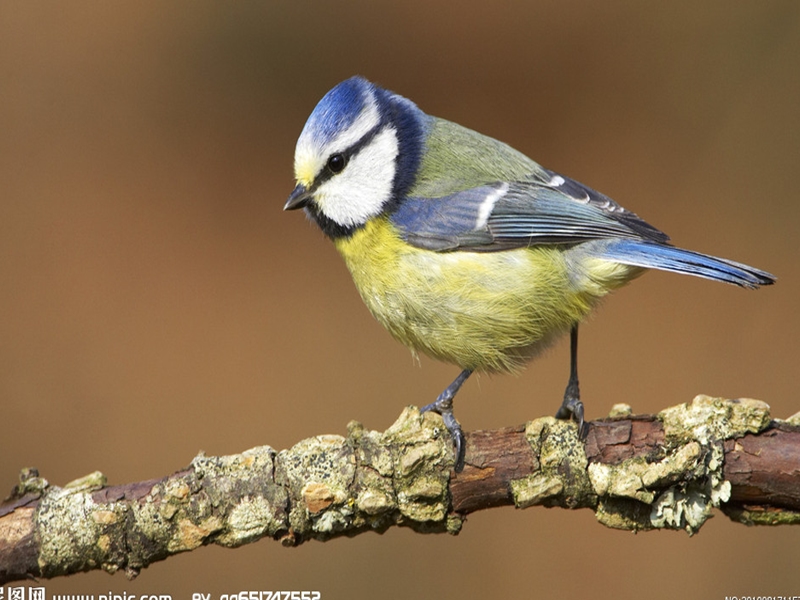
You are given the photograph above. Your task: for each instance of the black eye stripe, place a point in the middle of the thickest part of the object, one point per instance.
(347, 154)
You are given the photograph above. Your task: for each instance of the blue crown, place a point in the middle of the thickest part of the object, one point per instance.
(338, 109)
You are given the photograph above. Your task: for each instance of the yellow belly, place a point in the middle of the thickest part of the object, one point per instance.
(488, 311)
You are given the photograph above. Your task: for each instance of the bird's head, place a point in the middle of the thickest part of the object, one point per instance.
(357, 156)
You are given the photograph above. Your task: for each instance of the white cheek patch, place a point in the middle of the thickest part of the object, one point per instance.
(359, 192)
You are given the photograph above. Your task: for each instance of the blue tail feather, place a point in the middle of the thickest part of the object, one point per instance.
(650, 255)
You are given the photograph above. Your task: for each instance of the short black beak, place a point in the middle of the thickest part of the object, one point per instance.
(299, 198)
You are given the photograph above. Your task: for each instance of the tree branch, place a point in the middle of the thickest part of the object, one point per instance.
(636, 472)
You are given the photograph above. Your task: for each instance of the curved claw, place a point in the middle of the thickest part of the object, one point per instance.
(572, 408)
(458, 439)
(444, 407)
(454, 428)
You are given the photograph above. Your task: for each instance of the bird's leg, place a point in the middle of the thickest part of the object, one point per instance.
(444, 407)
(572, 407)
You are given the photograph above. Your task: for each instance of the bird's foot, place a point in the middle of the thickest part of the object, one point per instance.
(572, 408)
(444, 407)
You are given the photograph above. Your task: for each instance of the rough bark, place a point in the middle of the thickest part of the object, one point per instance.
(636, 472)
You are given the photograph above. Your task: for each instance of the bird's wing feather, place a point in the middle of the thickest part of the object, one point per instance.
(544, 209)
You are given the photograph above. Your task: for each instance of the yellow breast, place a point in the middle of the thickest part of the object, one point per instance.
(486, 311)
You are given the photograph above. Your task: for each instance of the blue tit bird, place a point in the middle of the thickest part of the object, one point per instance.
(462, 247)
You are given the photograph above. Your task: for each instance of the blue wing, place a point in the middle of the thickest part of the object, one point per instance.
(555, 210)
(546, 209)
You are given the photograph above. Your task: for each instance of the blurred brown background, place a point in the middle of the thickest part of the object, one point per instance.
(156, 301)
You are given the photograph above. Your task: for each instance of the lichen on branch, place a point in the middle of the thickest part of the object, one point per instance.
(668, 470)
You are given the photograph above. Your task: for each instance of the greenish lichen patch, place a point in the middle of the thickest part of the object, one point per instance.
(706, 418)
(561, 478)
(771, 517)
(30, 483)
(92, 481)
(325, 458)
(454, 523)
(252, 518)
(373, 495)
(679, 491)
(370, 449)
(369, 479)
(620, 411)
(635, 478)
(623, 513)
(217, 489)
(374, 503)
(793, 419)
(318, 472)
(685, 507)
(68, 540)
(421, 446)
(417, 456)
(535, 489)
(168, 518)
(707, 421)
(621, 481)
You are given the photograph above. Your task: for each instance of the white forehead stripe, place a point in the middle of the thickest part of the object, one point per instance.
(360, 191)
(487, 206)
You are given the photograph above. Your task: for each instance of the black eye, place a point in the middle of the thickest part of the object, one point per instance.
(336, 163)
